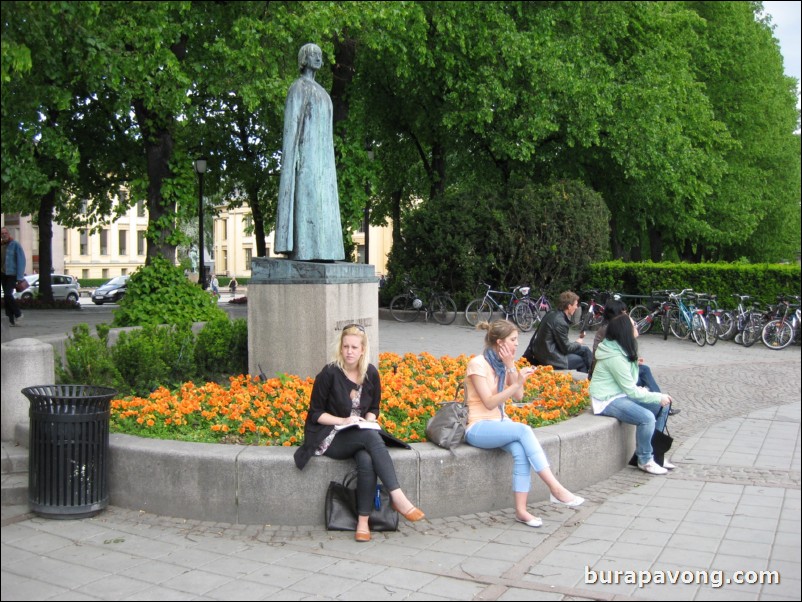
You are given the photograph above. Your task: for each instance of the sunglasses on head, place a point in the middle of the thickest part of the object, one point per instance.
(359, 327)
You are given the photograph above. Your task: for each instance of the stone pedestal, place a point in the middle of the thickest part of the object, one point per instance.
(297, 309)
(25, 363)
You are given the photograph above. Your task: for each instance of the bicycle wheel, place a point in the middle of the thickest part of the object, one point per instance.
(711, 329)
(523, 316)
(477, 311)
(751, 332)
(727, 327)
(403, 309)
(676, 322)
(443, 308)
(639, 313)
(698, 329)
(778, 334)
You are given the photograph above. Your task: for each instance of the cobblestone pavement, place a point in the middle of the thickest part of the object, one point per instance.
(733, 504)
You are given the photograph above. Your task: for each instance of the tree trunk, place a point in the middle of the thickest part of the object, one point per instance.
(258, 221)
(655, 244)
(158, 142)
(342, 75)
(395, 201)
(45, 219)
(438, 174)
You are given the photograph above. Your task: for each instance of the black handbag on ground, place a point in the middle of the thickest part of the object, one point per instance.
(341, 507)
(447, 427)
(661, 443)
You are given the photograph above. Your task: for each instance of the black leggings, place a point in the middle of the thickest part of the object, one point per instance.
(372, 459)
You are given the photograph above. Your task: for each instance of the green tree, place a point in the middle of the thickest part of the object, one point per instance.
(63, 152)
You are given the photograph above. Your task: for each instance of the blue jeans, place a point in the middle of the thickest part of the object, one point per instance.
(514, 438)
(647, 417)
(581, 360)
(645, 378)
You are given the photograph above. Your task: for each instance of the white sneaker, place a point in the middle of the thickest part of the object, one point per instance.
(668, 465)
(652, 467)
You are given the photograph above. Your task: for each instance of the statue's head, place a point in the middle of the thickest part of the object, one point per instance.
(306, 51)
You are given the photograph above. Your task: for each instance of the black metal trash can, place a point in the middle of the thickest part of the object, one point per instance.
(68, 450)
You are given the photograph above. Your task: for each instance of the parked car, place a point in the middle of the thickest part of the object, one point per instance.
(111, 292)
(64, 287)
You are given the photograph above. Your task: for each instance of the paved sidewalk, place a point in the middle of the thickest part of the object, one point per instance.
(733, 504)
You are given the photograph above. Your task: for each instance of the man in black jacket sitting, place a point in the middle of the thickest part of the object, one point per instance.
(550, 345)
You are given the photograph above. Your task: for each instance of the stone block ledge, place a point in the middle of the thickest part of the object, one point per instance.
(253, 485)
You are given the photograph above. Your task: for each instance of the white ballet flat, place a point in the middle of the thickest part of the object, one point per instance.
(532, 522)
(577, 501)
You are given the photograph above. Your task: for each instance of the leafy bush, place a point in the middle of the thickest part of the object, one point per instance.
(763, 282)
(88, 360)
(155, 356)
(222, 347)
(159, 293)
(538, 235)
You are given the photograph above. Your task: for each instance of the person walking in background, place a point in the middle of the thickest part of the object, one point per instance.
(491, 380)
(232, 286)
(215, 286)
(550, 346)
(12, 262)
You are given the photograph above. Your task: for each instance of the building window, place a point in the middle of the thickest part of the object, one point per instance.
(84, 274)
(123, 243)
(123, 196)
(225, 229)
(124, 271)
(84, 243)
(65, 240)
(248, 257)
(104, 242)
(140, 242)
(105, 272)
(225, 260)
(140, 209)
(248, 223)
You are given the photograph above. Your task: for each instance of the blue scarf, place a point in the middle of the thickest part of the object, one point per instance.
(498, 367)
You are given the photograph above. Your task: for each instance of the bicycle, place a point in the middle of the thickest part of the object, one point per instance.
(746, 325)
(540, 307)
(685, 321)
(780, 332)
(406, 306)
(645, 319)
(593, 313)
(482, 308)
(711, 314)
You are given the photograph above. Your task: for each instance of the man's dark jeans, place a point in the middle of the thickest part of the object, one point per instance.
(12, 309)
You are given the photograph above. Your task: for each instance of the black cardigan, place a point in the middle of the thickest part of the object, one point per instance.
(331, 393)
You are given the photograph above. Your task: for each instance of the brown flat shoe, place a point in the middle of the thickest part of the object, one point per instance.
(362, 536)
(412, 515)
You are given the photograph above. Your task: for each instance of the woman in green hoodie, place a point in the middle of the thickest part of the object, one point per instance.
(614, 391)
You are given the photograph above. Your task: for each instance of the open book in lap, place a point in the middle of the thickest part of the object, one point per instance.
(363, 424)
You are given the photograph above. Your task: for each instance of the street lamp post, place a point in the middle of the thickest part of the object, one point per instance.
(200, 169)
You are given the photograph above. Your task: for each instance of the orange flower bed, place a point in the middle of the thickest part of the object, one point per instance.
(272, 412)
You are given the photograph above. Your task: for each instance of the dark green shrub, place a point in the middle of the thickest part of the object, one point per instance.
(159, 293)
(222, 348)
(88, 361)
(762, 281)
(155, 356)
(541, 235)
